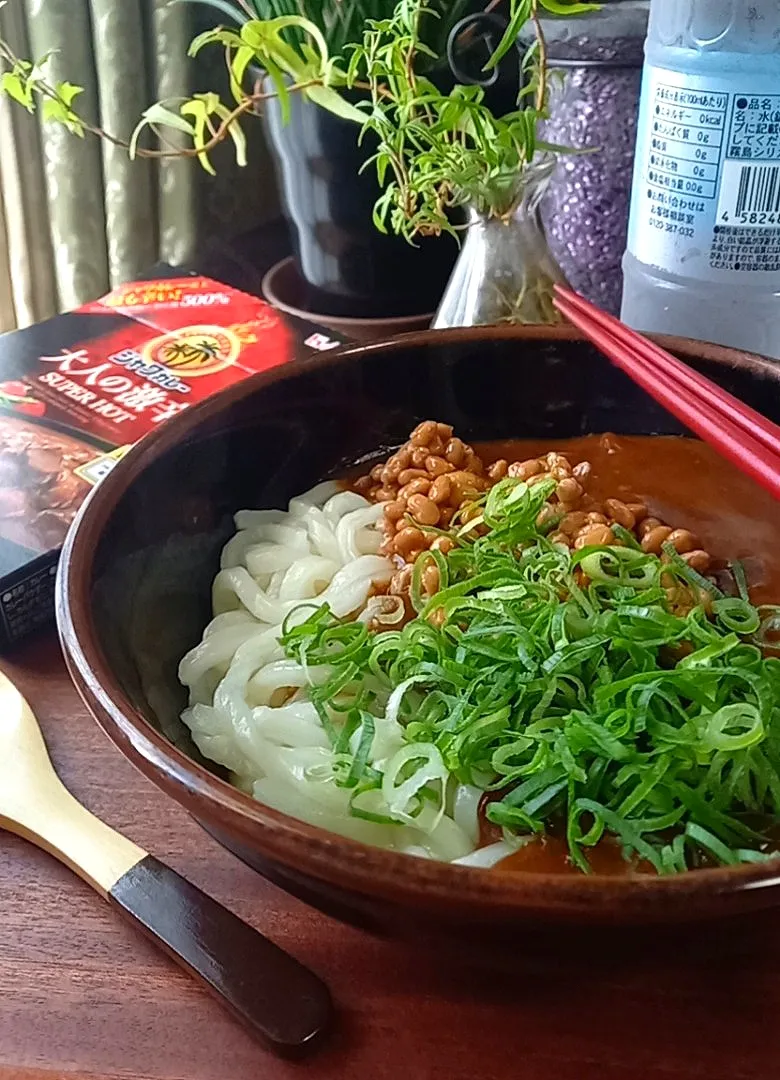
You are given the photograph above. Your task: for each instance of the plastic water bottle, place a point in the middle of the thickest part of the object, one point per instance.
(703, 255)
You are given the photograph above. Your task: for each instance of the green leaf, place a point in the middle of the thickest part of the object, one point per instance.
(214, 37)
(37, 72)
(330, 99)
(353, 66)
(518, 20)
(58, 113)
(237, 68)
(68, 92)
(234, 130)
(382, 208)
(159, 114)
(312, 59)
(307, 27)
(562, 7)
(265, 39)
(15, 87)
(254, 34)
(521, 12)
(280, 86)
(54, 111)
(198, 110)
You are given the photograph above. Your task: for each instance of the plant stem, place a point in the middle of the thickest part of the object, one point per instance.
(219, 133)
(541, 90)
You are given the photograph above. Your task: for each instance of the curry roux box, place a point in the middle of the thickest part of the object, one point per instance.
(77, 391)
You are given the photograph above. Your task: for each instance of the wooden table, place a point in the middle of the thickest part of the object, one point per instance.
(84, 996)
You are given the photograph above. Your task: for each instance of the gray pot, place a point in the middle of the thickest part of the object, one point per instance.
(349, 266)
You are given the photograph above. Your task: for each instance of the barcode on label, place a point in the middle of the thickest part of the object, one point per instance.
(759, 188)
(750, 195)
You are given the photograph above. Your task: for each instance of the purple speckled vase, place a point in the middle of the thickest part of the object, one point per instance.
(595, 83)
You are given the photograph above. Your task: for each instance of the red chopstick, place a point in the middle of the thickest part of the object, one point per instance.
(753, 422)
(739, 433)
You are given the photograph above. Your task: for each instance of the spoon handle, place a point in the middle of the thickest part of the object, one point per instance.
(266, 988)
(261, 984)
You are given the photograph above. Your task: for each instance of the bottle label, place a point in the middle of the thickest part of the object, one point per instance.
(706, 195)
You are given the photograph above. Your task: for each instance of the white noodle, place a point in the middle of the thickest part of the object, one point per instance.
(249, 707)
(487, 857)
(466, 809)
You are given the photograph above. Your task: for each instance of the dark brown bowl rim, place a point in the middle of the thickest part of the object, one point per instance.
(327, 856)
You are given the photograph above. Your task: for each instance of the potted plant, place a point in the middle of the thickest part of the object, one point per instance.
(438, 150)
(344, 265)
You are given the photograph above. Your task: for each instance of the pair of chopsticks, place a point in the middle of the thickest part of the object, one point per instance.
(739, 433)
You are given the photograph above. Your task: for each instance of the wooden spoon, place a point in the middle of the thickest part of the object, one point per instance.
(263, 986)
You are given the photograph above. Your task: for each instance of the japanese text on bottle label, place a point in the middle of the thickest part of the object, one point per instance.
(706, 198)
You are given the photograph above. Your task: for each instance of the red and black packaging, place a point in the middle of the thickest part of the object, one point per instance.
(77, 391)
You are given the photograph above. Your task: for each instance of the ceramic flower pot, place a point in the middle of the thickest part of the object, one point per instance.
(349, 267)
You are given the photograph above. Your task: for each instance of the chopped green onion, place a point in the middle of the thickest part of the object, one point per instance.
(740, 579)
(710, 843)
(737, 615)
(564, 683)
(626, 537)
(733, 727)
(687, 573)
(360, 760)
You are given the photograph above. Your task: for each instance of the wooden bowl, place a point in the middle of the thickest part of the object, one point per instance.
(284, 287)
(134, 593)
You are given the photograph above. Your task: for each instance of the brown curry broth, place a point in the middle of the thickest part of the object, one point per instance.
(687, 485)
(550, 855)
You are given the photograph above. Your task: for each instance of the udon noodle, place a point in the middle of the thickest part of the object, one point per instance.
(249, 709)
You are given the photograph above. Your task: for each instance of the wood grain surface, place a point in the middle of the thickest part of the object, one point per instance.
(83, 996)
